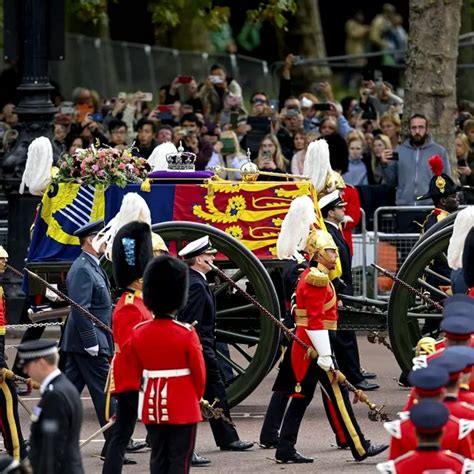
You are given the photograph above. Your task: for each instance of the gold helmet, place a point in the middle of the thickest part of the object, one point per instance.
(318, 242)
(425, 346)
(158, 243)
(3, 252)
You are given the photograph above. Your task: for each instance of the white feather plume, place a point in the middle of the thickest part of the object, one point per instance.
(317, 164)
(295, 227)
(462, 225)
(157, 159)
(37, 174)
(133, 208)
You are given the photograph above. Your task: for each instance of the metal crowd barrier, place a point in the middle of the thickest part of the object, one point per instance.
(359, 259)
(390, 246)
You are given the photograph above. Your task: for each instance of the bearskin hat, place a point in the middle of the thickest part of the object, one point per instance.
(131, 252)
(338, 152)
(165, 285)
(468, 259)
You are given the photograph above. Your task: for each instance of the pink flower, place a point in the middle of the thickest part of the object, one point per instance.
(95, 168)
(121, 166)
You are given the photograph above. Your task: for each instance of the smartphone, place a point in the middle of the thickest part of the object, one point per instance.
(164, 108)
(322, 107)
(274, 104)
(229, 146)
(394, 156)
(216, 79)
(368, 74)
(97, 117)
(234, 117)
(67, 110)
(462, 162)
(187, 79)
(164, 116)
(147, 96)
(82, 111)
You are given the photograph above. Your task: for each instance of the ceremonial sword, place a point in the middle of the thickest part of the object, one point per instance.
(375, 413)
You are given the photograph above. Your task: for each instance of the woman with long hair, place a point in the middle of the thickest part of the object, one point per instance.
(382, 154)
(270, 158)
(390, 125)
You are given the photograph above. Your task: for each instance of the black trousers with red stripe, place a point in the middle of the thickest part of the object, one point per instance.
(341, 404)
(172, 448)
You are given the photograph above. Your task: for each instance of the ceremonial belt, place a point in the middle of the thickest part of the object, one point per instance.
(301, 320)
(156, 374)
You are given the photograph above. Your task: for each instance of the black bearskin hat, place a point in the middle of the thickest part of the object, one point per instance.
(165, 285)
(468, 259)
(131, 252)
(338, 152)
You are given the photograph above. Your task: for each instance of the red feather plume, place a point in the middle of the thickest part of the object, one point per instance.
(436, 165)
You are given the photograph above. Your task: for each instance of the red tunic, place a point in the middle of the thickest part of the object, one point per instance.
(316, 309)
(3, 313)
(455, 436)
(169, 355)
(129, 312)
(351, 196)
(422, 460)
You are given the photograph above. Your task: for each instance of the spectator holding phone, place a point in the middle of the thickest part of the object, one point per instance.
(465, 164)
(259, 105)
(216, 87)
(194, 142)
(381, 155)
(191, 92)
(270, 158)
(390, 124)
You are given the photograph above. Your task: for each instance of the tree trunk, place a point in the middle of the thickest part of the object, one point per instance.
(465, 88)
(305, 37)
(431, 67)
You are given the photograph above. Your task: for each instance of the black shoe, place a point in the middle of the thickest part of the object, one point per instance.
(367, 386)
(367, 375)
(126, 461)
(295, 458)
(269, 445)
(375, 449)
(197, 460)
(134, 446)
(238, 445)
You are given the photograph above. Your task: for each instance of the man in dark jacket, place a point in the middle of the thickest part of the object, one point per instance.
(201, 308)
(56, 421)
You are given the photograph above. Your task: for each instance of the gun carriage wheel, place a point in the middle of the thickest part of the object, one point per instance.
(407, 313)
(252, 339)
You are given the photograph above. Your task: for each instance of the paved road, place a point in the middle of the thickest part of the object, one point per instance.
(314, 440)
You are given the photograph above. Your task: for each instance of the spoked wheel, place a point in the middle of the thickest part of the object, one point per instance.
(409, 315)
(251, 340)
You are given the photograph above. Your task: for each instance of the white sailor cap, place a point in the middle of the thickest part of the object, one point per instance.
(31, 350)
(197, 247)
(331, 200)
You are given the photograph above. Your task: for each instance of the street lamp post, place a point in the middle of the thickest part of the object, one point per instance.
(33, 33)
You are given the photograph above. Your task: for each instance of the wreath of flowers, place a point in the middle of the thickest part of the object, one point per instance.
(106, 166)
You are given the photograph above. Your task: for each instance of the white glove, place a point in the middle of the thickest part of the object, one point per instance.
(93, 351)
(325, 362)
(320, 340)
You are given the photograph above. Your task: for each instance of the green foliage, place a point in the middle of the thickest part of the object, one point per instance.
(273, 11)
(88, 11)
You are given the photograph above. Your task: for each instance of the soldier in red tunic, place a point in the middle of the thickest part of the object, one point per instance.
(168, 354)
(9, 420)
(429, 384)
(316, 322)
(429, 417)
(131, 252)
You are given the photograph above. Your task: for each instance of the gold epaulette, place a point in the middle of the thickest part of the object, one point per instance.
(184, 325)
(129, 298)
(316, 277)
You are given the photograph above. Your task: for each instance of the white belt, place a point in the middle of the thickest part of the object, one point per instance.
(156, 374)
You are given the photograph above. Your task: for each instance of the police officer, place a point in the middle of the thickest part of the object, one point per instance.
(429, 383)
(56, 421)
(11, 428)
(201, 308)
(429, 417)
(168, 355)
(131, 252)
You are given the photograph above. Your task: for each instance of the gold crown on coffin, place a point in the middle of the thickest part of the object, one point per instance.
(182, 160)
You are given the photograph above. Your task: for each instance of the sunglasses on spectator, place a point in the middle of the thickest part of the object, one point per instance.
(259, 101)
